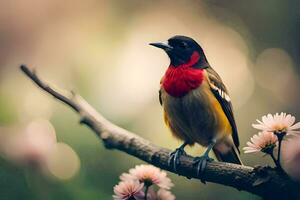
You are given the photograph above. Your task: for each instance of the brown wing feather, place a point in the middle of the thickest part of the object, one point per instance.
(219, 90)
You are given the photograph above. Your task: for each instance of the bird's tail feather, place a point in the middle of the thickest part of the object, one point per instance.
(231, 156)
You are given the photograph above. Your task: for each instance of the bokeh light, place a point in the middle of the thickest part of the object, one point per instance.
(275, 72)
(231, 62)
(63, 162)
(99, 49)
(32, 145)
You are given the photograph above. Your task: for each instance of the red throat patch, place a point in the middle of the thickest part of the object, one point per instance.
(181, 79)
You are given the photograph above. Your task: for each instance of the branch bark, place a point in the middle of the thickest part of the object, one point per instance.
(262, 181)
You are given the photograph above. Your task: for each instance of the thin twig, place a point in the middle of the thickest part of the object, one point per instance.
(273, 158)
(280, 136)
(146, 192)
(269, 184)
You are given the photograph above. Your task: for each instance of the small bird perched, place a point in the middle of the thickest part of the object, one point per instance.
(196, 104)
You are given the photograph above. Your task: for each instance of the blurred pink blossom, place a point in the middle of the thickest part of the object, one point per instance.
(161, 194)
(290, 157)
(148, 175)
(261, 142)
(32, 146)
(278, 122)
(128, 189)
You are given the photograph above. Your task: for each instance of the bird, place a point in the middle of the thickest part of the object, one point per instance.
(196, 104)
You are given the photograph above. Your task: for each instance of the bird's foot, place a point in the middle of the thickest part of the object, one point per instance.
(174, 158)
(201, 163)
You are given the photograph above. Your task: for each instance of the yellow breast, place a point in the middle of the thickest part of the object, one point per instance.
(224, 127)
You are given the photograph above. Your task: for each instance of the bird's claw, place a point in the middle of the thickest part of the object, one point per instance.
(174, 158)
(201, 163)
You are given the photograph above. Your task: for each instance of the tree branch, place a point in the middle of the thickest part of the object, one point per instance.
(263, 181)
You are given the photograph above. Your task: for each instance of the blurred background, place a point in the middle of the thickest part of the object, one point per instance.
(99, 48)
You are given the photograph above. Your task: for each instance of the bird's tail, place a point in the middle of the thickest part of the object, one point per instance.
(227, 153)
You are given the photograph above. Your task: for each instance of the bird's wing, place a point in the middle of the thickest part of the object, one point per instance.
(219, 90)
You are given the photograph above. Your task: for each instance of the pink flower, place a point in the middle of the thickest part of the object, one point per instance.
(161, 194)
(264, 141)
(148, 175)
(278, 122)
(32, 146)
(165, 195)
(290, 157)
(128, 190)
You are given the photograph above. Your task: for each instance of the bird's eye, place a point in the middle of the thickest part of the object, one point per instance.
(182, 45)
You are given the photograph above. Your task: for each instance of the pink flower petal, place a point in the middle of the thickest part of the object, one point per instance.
(148, 173)
(259, 126)
(277, 122)
(260, 141)
(165, 195)
(127, 189)
(289, 120)
(295, 126)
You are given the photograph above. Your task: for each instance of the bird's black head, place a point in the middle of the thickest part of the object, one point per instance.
(183, 50)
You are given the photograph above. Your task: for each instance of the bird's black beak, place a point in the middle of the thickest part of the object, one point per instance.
(162, 45)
